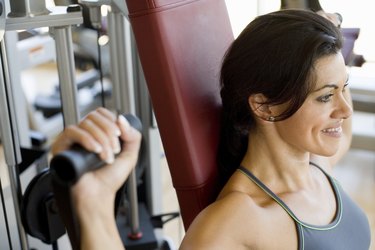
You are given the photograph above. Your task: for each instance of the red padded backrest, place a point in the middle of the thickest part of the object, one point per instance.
(181, 44)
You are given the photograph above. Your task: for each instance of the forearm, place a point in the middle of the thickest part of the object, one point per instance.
(95, 210)
(99, 233)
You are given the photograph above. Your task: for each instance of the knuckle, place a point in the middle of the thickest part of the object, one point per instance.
(91, 115)
(70, 129)
(85, 123)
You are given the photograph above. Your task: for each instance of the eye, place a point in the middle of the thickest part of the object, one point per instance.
(344, 88)
(325, 98)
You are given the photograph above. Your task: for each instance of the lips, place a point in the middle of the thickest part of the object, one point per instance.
(332, 130)
(335, 132)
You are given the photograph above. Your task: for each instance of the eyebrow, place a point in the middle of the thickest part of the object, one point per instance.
(334, 86)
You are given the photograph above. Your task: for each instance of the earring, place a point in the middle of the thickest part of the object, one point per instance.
(271, 119)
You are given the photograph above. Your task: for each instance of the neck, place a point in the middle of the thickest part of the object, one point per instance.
(273, 161)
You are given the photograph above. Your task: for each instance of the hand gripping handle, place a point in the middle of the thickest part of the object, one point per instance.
(69, 165)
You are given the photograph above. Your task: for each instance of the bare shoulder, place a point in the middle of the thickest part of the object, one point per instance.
(226, 224)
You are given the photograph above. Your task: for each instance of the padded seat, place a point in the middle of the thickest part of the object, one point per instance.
(181, 44)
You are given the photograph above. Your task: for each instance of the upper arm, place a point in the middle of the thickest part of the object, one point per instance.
(221, 225)
(205, 233)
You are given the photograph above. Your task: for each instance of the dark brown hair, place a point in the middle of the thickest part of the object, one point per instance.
(274, 55)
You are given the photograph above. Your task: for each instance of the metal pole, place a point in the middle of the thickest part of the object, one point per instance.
(125, 62)
(9, 137)
(66, 72)
(21, 8)
(71, 116)
(115, 67)
(122, 71)
(4, 218)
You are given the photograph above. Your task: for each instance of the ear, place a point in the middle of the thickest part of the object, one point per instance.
(258, 106)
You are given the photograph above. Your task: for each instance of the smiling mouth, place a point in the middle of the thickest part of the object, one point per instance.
(337, 130)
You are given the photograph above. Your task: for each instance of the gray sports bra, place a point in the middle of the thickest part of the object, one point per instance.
(349, 230)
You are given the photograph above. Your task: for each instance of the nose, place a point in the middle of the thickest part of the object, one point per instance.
(344, 107)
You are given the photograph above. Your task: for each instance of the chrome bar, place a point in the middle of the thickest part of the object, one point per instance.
(122, 71)
(10, 141)
(66, 72)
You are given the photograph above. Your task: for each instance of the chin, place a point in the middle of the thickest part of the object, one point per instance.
(327, 152)
(327, 148)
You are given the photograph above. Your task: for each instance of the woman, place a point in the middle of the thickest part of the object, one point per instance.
(286, 122)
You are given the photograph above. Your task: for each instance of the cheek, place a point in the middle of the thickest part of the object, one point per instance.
(303, 125)
(292, 131)
(311, 115)
(319, 118)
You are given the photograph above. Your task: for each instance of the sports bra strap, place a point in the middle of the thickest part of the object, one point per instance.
(268, 191)
(271, 194)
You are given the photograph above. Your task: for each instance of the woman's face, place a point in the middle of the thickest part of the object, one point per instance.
(316, 126)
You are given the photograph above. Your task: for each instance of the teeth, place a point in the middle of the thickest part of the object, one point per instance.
(332, 130)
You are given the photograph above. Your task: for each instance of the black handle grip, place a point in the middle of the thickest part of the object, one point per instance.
(69, 165)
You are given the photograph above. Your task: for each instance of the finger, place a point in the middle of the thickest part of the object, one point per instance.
(130, 136)
(108, 125)
(114, 175)
(108, 114)
(101, 137)
(104, 122)
(71, 135)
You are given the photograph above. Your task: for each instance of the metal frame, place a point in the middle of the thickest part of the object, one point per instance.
(60, 20)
